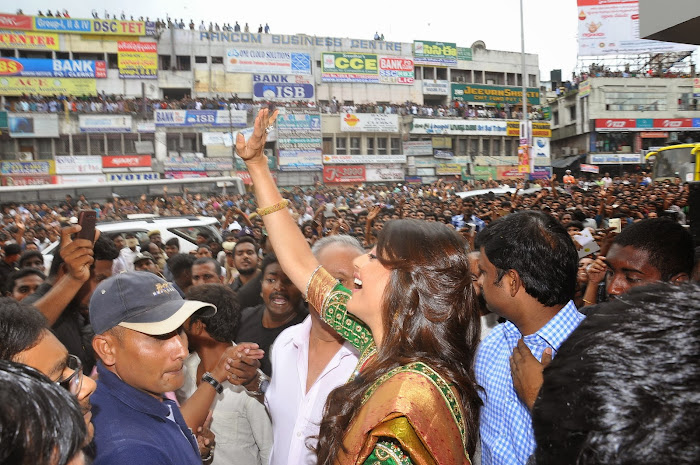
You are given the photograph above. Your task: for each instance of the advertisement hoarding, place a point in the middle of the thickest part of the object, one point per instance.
(104, 123)
(299, 140)
(16, 22)
(18, 86)
(363, 159)
(187, 164)
(80, 179)
(220, 118)
(418, 147)
(458, 127)
(615, 159)
(384, 173)
(492, 95)
(38, 180)
(366, 68)
(23, 125)
(369, 122)
(344, 174)
(282, 88)
(44, 67)
(137, 60)
(126, 161)
(448, 169)
(31, 168)
(436, 87)
(246, 60)
(608, 27)
(80, 164)
(540, 147)
(435, 53)
(29, 40)
(537, 129)
(110, 27)
(122, 177)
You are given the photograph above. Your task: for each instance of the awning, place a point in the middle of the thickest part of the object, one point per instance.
(565, 162)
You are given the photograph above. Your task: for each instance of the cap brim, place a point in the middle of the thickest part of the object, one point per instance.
(167, 317)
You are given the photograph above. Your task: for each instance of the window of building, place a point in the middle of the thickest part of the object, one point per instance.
(112, 61)
(371, 150)
(63, 55)
(97, 144)
(88, 56)
(164, 62)
(616, 142)
(217, 60)
(34, 54)
(200, 59)
(355, 146)
(130, 143)
(532, 80)
(7, 52)
(395, 146)
(173, 142)
(79, 144)
(428, 72)
(494, 78)
(341, 146)
(114, 144)
(555, 118)
(183, 63)
(44, 148)
(497, 147)
(474, 147)
(478, 77)
(460, 75)
(635, 101)
(63, 145)
(509, 147)
(486, 146)
(418, 72)
(381, 146)
(441, 74)
(572, 113)
(328, 145)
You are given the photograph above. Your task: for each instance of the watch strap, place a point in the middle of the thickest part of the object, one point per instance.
(208, 378)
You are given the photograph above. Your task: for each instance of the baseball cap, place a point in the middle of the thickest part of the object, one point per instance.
(143, 302)
(143, 256)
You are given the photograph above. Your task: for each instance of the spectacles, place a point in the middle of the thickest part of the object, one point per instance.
(73, 382)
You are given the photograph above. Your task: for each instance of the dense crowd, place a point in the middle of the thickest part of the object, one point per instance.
(240, 370)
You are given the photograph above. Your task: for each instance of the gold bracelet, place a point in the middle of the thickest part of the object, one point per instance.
(322, 283)
(273, 208)
(308, 284)
(588, 302)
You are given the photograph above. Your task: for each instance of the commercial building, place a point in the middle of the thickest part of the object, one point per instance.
(436, 109)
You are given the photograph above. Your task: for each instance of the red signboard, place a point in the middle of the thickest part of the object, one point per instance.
(126, 161)
(16, 22)
(671, 123)
(26, 180)
(615, 124)
(343, 173)
(654, 135)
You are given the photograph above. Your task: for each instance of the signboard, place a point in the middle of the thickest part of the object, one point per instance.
(435, 87)
(584, 88)
(458, 127)
(484, 173)
(369, 122)
(384, 173)
(367, 68)
(363, 159)
(448, 169)
(615, 124)
(126, 161)
(540, 147)
(220, 118)
(669, 124)
(18, 86)
(44, 67)
(418, 147)
(541, 172)
(38, 180)
(696, 87)
(464, 54)
(112, 27)
(80, 179)
(198, 164)
(608, 27)
(509, 172)
(23, 125)
(538, 129)
(104, 123)
(585, 168)
(247, 60)
(81, 164)
(123, 177)
(28, 40)
(281, 87)
(344, 173)
(32, 168)
(217, 138)
(444, 154)
(615, 159)
(16, 22)
(492, 95)
(442, 142)
(435, 53)
(299, 140)
(137, 60)
(523, 159)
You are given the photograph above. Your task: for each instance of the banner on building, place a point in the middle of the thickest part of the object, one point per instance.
(418, 147)
(435, 87)
(584, 88)
(80, 164)
(612, 28)
(104, 123)
(299, 140)
(509, 172)
(23, 125)
(434, 53)
(247, 60)
(586, 168)
(537, 129)
(369, 122)
(384, 173)
(696, 87)
(464, 54)
(38, 180)
(137, 60)
(122, 177)
(524, 159)
(458, 127)
(31, 168)
(615, 159)
(214, 118)
(540, 147)
(448, 169)
(44, 67)
(367, 68)
(541, 172)
(363, 159)
(126, 161)
(80, 179)
(109, 27)
(29, 40)
(344, 174)
(217, 138)
(187, 164)
(16, 22)
(18, 86)
(493, 95)
(443, 154)
(483, 173)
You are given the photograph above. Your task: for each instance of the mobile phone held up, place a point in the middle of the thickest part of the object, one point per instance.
(87, 219)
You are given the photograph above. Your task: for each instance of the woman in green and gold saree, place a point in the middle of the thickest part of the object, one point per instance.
(412, 315)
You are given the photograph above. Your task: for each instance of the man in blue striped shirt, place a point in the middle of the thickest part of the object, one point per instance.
(527, 268)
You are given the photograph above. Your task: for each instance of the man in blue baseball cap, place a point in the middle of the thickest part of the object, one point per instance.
(138, 321)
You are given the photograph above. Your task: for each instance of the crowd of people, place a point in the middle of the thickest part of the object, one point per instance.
(366, 324)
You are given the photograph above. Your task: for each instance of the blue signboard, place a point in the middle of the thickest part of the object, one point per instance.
(283, 91)
(223, 118)
(696, 122)
(645, 123)
(45, 67)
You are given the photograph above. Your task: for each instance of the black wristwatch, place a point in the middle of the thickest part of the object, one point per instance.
(208, 378)
(263, 384)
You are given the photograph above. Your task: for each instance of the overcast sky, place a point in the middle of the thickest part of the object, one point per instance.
(550, 25)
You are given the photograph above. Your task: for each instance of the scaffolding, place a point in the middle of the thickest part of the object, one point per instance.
(671, 64)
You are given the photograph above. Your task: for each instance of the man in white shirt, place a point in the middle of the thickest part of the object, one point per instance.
(309, 360)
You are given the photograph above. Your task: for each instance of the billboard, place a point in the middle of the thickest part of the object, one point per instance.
(344, 173)
(492, 95)
(18, 86)
(537, 129)
(369, 122)
(282, 87)
(612, 28)
(81, 164)
(23, 125)
(112, 27)
(182, 164)
(247, 60)
(418, 147)
(436, 87)
(137, 60)
(121, 177)
(458, 127)
(45, 67)
(32, 168)
(220, 118)
(299, 140)
(28, 40)
(16, 22)
(435, 53)
(363, 159)
(384, 173)
(366, 68)
(126, 161)
(104, 123)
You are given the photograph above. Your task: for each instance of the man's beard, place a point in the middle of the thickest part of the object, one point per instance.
(247, 272)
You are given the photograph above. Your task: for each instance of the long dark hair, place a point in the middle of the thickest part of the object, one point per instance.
(429, 315)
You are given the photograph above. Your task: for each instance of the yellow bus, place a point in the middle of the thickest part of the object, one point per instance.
(682, 160)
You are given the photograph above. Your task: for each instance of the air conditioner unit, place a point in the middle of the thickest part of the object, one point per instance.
(26, 156)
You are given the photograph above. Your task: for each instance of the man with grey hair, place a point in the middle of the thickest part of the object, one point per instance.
(309, 360)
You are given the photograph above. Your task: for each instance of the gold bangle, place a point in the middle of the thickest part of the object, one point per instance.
(322, 283)
(273, 208)
(308, 284)
(588, 302)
